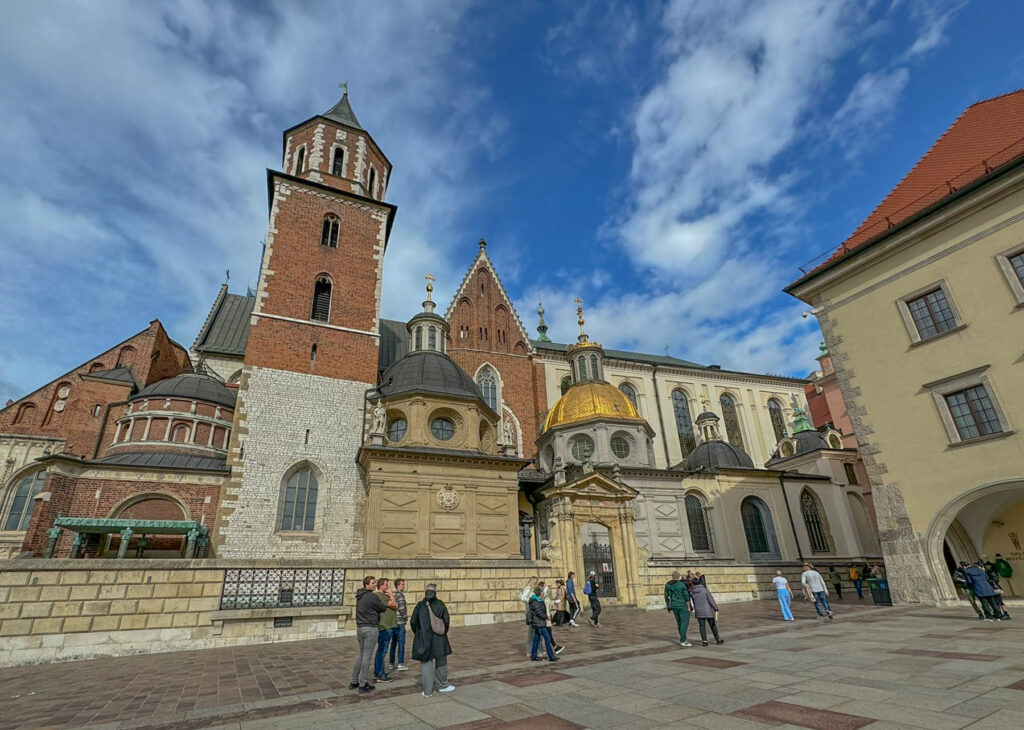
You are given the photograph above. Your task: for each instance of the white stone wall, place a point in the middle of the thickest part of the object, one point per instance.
(222, 365)
(275, 409)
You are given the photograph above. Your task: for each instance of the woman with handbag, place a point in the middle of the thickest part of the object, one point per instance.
(429, 623)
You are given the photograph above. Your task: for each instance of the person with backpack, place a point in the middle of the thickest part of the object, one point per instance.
(960, 580)
(591, 589)
(677, 602)
(430, 646)
(539, 622)
(978, 582)
(571, 597)
(525, 598)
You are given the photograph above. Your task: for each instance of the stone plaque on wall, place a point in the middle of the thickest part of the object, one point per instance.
(447, 521)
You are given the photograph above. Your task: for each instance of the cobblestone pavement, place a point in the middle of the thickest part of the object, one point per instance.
(879, 668)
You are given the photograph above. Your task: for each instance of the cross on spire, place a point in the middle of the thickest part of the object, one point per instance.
(430, 286)
(343, 86)
(579, 314)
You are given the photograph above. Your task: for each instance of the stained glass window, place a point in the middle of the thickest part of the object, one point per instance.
(684, 424)
(732, 421)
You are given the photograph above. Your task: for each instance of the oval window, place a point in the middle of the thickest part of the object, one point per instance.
(442, 428)
(396, 429)
(582, 448)
(620, 447)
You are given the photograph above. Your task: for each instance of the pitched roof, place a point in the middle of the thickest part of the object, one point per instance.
(165, 460)
(121, 375)
(343, 114)
(483, 259)
(622, 355)
(985, 136)
(226, 329)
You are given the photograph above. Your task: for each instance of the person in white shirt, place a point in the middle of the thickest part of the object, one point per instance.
(784, 593)
(814, 583)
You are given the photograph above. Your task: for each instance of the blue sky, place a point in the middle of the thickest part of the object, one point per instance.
(673, 163)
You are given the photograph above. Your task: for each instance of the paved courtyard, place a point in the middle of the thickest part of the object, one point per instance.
(871, 667)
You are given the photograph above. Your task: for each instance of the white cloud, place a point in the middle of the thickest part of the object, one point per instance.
(867, 109)
(932, 18)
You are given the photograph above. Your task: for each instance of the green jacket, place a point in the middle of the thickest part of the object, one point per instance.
(388, 617)
(676, 595)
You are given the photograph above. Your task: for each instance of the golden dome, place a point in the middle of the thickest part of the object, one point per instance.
(590, 400)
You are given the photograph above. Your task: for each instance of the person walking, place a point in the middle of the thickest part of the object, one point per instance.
(813, 581)
(978, 582)
(574, 601)
(1005, 571)
(678, 603)
(369, 607)
(591, 589)
(857, 578)
(561, 604)
(385, 631)
(706, 610)
(1000, 604)
(548, 596)
(525, 598)
(836, 579)
(539, 622)
(430, 646)
(961, 582)
(398, 642)
(785, 594)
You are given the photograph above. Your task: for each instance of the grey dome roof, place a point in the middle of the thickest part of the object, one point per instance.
(717, 454)
(190, 386)
(428, 372)
(806, 442)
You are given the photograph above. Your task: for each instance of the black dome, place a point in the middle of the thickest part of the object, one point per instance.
(190, 386)
(717, 454)
(806, 442)
(428, 372)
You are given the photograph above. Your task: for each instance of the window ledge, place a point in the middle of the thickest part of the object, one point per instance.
(298, 535)
(990, 437)
(940, 335)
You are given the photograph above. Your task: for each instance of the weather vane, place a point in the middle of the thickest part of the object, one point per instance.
(430, 286)
(343, 85)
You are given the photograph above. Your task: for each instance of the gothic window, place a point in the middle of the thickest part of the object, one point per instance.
(565, 384)
(582, 448)
(684, 424)
(778, 422)
(321, 299)
(300, 160)
(732, 421)
(21, 506)
(810, 508)
(488, 385)
(329, 234)
(338, 165)
(697, 518)
(299, 509)
(371, 186)
(757, 526)
(630, 392)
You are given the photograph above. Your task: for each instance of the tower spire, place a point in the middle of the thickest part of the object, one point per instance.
(342, 111)
(582, 339)
(542, 326)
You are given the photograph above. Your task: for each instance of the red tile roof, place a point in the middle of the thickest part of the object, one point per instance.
(987, 135)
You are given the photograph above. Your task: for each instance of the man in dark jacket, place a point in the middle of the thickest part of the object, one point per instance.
(978, 582)
(677, 602)
(429, 647)
(960, 579)
(539, 622)
(369, 607)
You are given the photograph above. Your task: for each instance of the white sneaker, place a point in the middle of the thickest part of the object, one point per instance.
(685, 643)
(425, 695)
(449, 688)
(573, 623)
(401, 668)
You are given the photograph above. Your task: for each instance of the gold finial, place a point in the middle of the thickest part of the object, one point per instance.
(540, 304)
(579, 314)
(430, 286)
(344, 86)
(483, 244)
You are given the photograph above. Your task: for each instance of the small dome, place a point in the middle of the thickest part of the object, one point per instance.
(706, 414)
(428, 372)
(806, 442)
(717, 454)
(589, 400)
(190, 386)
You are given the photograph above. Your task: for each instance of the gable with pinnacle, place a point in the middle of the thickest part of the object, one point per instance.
(482, 260)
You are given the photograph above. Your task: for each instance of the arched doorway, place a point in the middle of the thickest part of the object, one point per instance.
(596, 542)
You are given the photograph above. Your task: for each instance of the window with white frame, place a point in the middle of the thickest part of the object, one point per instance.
(968, 406)
(929, 312)
(1012, 264)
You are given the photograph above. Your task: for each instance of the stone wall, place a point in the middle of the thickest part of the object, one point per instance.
(728, 581)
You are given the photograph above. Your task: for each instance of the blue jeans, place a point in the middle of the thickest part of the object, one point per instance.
(859, 585)
(784, 599)
(383, 639)
(821, 600)
(537, 634)
(398, 642)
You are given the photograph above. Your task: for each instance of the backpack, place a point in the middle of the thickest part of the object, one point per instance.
(436, 622)
(854, 573)
(588, 588)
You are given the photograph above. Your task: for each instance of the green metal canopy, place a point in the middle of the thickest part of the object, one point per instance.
(96, 525)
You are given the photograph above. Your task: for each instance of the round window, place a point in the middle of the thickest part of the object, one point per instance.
(396, 429)
(582, 448)
(620, 447)
(442, 428)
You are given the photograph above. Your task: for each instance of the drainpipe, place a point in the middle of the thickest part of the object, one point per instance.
(789, 513)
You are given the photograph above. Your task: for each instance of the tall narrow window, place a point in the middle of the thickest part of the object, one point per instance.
(565, 384)
(432, 337)
(338, 164)
(630, 392)
(312, 353)
(757, 527)
(20, 512)
(583, 368)
(371, 187)
(300, 160)
(811, 511)
(697, 518)
(932, 313)
(778, 422)
(321, 300)
(851, 473)
(1017, 263)
(684, 424)
(732, 421)
(973, 413)
(299, 509)
(418, 341)
(595, 372)
(329, 234)
(488, 385)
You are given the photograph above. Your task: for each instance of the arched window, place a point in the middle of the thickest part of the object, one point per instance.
(630, 392)
(338, 164)
(418, 341)
(329, 235)
(25, 412)
(732, 421)
(757, 526)
(810, 508)
(124, 355)
(432, 338)
(697, 517)
(684, 424)
(299, 509)
(565, 384)
(582, 362)
(488, 385)
(300, 160)
(321, 300)
(180, 434)
(96, 366)
(371, 186)
(778, 422)
(595, 372)
(21, 505)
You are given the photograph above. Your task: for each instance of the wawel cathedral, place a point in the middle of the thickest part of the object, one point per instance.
(301, 426)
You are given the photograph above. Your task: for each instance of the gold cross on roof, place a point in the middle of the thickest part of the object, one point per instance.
(430, 285)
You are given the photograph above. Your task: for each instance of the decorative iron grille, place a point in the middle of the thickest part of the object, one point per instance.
(282, 588)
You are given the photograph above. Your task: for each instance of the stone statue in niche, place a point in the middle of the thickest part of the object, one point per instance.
(508, 433)
(380, 416)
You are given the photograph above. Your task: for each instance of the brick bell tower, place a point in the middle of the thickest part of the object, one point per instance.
(311, 355)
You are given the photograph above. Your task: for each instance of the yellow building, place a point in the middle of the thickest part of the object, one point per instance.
(923, 312)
